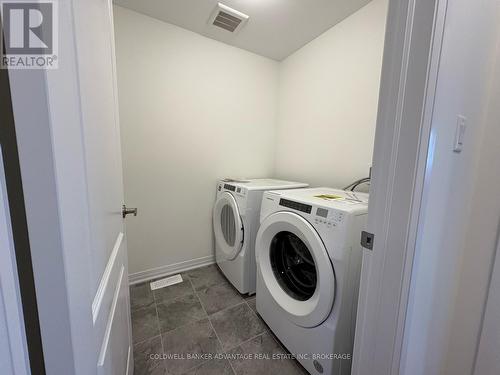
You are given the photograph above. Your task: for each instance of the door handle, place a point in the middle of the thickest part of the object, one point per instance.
(127, 211)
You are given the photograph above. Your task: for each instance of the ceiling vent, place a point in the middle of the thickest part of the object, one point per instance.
(228, 18)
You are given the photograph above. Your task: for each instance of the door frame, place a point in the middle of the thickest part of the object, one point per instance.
(12, 318)
(19, 312)
(414, 33)
(486, 358)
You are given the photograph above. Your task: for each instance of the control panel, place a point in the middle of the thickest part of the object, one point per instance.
(235, 189)
(328, 217)
(296, 205)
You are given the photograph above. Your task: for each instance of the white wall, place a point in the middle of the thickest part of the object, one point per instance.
(482, 228)
(328, 95)
(456, 245)
(192, 110)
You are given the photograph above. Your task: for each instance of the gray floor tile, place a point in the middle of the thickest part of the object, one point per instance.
(180, 311)
(179, 308)
(251, 303)
(141, 296)
(144, 324)
(213, 367)
(202, 278)
(143, 363)
(263, 356)
(219, 297)
(173, 291)
(190, 343)
(236, 325)
(248, 296)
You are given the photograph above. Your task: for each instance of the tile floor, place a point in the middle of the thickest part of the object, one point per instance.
(202, 326)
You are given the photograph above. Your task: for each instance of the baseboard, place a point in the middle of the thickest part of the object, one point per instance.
(154, 273)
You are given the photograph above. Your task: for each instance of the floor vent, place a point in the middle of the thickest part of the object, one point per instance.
(167, 281)
(228, 18)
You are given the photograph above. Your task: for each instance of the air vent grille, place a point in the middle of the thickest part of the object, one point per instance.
(226, 21)
(228, 18)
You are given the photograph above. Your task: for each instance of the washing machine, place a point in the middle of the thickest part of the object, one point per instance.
(235, 223)
(308, 257)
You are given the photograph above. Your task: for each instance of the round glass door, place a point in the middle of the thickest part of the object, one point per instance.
(295, 268)
(293, 265)
(228, 227)
(228, 224)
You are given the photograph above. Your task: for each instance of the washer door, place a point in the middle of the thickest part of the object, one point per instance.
(296, 268)
(228, 227)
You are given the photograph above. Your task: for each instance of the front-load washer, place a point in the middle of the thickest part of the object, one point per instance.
(308, 268)
(235, 223)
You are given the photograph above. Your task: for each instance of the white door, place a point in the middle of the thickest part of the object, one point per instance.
(108, 282)
(72, 175)
(295, 268)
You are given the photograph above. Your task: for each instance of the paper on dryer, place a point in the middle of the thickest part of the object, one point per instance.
(328, 196)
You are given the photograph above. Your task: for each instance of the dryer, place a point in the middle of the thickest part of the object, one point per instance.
(235, 224)
(308, 268)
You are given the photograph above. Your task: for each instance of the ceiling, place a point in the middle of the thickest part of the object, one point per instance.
(275, 29)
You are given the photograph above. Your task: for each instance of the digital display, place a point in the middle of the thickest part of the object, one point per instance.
(322, 212)
(229, 187)
(296, 205)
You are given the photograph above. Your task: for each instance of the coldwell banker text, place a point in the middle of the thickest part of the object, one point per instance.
(30, 35)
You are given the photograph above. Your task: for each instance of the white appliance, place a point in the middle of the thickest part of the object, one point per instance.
(308, 268)
(235, 221)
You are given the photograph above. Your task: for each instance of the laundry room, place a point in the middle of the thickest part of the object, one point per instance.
(221, 105)
(249, 187)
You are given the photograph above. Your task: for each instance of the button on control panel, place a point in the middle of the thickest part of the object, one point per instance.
(328, 218)
(338, 216)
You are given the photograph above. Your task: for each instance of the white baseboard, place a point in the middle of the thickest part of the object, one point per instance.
(154, 273)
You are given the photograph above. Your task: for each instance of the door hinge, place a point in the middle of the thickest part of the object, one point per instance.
(367, 240)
